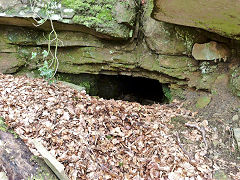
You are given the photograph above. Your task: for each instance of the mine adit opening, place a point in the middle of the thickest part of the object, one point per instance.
(119, 87)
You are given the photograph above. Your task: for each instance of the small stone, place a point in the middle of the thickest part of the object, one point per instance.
(74, 86)
(215, 143)
(235, 118)
(1, 143)
(236, 132)
(3, 176)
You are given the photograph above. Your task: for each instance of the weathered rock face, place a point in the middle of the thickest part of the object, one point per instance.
(165, 38)
(221, 17)
(114, 19)
(160, 35)
(84, 53)
(10, 63)
(115, 37)
(169, 39)
(158, 50)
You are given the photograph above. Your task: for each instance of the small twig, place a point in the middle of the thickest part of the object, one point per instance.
(231, 140)
(201, 129)
(180, 145)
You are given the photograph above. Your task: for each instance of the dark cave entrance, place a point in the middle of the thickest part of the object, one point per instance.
(119, 87)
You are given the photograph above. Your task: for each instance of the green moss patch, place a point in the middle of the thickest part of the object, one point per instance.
(203, 101)
(5, 128)
(101, 16)
(167, 93)
(43, 172)
(91, 13)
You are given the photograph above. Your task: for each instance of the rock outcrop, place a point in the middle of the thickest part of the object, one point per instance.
(221, 17)
(112, 19)
(116, 38)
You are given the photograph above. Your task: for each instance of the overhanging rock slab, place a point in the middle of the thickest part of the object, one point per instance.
(221, 17)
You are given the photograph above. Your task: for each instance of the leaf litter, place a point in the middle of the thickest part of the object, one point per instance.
(96, 138)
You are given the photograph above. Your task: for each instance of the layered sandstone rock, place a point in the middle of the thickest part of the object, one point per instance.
(221, 17)
(134, 44)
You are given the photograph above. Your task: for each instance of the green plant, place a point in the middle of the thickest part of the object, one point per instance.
(108, 136)
(120, 164)
(87, 85)
(167, 93)
(47, 70)
(5, 128)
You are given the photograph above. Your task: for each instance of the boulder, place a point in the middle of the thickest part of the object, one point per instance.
(211, 51)
(221, 17)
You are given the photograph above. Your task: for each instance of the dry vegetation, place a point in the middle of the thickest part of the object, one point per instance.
(105, 139)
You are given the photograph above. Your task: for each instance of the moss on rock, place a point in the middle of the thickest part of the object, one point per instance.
(203, 101)
(23, 36)
(5, 128)
(220, 16)
(88, 81)
(43, 171)
(101, 16)
(169, 39)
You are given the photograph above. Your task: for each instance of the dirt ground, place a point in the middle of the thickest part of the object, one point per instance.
(110, 139)
(223, 115)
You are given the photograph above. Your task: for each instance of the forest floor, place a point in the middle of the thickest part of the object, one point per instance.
(113, 139)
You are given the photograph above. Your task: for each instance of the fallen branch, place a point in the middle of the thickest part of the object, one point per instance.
(180, 145)
(201, 129)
